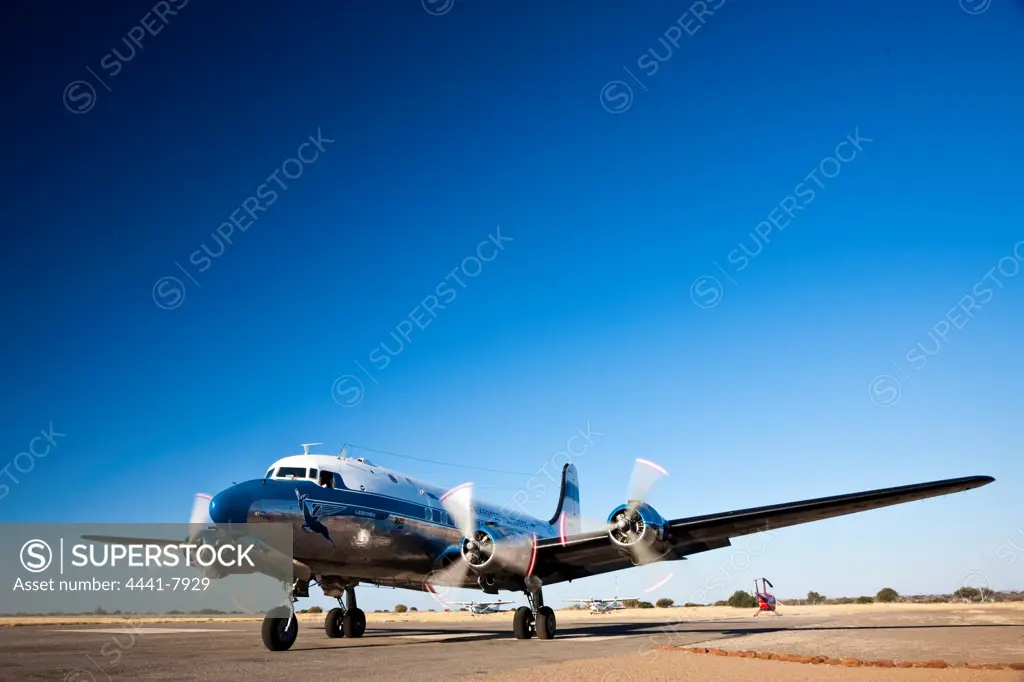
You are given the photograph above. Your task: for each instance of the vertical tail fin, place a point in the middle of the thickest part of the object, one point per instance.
(567, 515)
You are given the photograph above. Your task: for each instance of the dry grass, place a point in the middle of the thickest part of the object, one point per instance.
(1003, 612)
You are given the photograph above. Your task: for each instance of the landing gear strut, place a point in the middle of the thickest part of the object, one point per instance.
(347, 620)
(281, 627)
(535, 618)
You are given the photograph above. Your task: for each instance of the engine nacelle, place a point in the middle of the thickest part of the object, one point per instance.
(493, 550)
(634, 524)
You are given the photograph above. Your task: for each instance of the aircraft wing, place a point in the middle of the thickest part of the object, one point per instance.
(593, 553)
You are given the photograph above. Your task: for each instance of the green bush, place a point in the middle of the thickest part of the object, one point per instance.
(815, 598)
(401, 608)
(742, 600)
(690, 604)
(644, 605)
(865, 600)
(664, 603)
(887, 595)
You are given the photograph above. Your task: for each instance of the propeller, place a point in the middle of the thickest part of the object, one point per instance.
(200, 519)
(628, 526)
(458, 502)
(515, 554)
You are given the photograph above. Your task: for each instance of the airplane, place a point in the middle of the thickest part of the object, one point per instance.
(355, 522)
(479, 608)
(599, 605)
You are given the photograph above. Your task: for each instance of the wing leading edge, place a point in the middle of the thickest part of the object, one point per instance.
(593, 553)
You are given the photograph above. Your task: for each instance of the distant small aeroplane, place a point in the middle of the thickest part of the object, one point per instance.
(479, 608)
(599, 605)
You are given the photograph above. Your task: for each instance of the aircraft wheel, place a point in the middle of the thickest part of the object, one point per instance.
(332, 623)
(278, 635)
(354, 623)
(522, 623)
(545, 623)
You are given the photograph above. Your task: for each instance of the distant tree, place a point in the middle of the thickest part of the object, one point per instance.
(742, 600)
(690, 604)
(401, 608)
(664, 603)
(973, 593)
(887, 595)
(815, 598)
(630, 603)
(644, 605)
(865, 600)
(968, 593)
(721, 602)
(100, 611)
(312, 609)
(413, 608)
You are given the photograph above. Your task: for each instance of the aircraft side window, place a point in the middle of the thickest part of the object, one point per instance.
(393, 479)
(313, 473)
(326, 479)
(338, 483)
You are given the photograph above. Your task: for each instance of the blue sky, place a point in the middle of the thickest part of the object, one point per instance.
(769, 383)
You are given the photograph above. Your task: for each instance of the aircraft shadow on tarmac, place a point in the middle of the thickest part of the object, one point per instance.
(668, 628)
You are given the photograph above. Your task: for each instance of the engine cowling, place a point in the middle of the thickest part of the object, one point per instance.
(493, 550)
(634, 524)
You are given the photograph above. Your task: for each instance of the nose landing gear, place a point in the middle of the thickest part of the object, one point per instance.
(281, 627)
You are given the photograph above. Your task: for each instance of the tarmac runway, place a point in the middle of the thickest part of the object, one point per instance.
(429, 651)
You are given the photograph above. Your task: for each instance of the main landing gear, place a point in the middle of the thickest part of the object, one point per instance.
(347, 620)
(535, 618)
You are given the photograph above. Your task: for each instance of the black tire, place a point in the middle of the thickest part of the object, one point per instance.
(354, 623)
(522, 623)
(332, 623)
(276, 637)
(545, 623)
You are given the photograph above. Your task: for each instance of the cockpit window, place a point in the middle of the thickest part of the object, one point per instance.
(325, 479)
(313, 473)
(291, 472)
(393, 479)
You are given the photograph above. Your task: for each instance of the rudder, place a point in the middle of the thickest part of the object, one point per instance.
(568, 503)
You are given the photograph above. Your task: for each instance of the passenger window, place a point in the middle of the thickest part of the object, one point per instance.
(326, 479)
(313, 474)
(393, 479)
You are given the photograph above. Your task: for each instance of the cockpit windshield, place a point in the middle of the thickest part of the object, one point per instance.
(291, 472)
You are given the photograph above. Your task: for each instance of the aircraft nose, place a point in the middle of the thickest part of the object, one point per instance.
(230, 506)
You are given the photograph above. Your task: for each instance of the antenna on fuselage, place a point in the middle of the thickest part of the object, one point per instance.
(306, 446)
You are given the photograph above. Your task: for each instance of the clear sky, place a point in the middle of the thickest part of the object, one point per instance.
(833, 351)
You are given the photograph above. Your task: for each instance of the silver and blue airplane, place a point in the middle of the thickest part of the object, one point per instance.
(355, 522)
